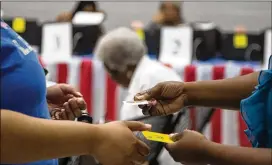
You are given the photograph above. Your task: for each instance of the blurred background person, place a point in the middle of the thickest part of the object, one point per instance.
(169, 14)
(123, 54)
(87, 6)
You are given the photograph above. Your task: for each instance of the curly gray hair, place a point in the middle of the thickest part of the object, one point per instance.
(119, 48)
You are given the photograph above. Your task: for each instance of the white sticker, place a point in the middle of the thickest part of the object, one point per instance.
(136, 102)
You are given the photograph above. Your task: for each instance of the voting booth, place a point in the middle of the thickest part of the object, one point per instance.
(60, 40)
(242, 47)
(176, 45)
(85, 38)
(206, 41)
(28, 29)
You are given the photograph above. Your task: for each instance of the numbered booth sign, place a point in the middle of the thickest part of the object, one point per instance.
(176, 45)
(26, 28)
(57, 41)
(267, 48)
(207, 40)
(242, 46)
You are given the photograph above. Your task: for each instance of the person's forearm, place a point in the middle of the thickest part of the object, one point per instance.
(225, 93)
(226, 155)
(26, 139)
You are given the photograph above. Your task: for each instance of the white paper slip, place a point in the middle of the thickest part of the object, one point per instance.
(136, 102)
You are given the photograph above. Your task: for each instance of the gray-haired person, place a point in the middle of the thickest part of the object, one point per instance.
(123, 54)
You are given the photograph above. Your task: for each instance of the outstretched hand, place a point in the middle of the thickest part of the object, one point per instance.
(119, 146)
(165, 98)
(190, 147)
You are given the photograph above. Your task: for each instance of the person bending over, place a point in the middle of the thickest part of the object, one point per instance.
(123, 54)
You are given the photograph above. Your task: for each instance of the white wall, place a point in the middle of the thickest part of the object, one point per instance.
(254, 15)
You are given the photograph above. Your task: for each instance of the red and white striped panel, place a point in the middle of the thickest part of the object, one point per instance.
(89, 77)
(104, 97)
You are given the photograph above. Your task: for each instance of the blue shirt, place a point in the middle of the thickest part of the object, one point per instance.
(257, 111)
(23, 86)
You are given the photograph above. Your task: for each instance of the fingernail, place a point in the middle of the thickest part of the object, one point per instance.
(172, 135)
(148, 125)
(153, 102)
(79, 94)
(140, 97)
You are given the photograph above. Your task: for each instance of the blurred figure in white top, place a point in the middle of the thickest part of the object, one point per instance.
(123, 54)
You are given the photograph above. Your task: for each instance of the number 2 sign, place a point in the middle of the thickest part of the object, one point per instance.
(176, 45)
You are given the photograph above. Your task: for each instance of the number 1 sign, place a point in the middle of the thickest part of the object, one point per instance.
(57, 41)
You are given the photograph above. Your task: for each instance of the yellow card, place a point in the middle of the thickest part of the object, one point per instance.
(158, 137)
(240, 41)
(19, 25)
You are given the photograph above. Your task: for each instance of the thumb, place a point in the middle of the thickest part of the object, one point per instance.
(175, 137)
(137, 126)
(67, 89)
(149, 94)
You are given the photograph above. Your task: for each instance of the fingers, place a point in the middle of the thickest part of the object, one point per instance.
(68, 113)
(73, 107)
(164, 107)
(137, 126)
(175, 137)
(139, 155)
(143, 149)
(68, 89)
(55, 114)
(138, 159)
(81, 103)
(149, 94)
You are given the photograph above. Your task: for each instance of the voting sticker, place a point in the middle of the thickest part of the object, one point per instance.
(158, 137)
(19, 25)
(136, 102)
(240, 41)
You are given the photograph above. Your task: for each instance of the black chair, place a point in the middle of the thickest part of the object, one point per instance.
(252, 52)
